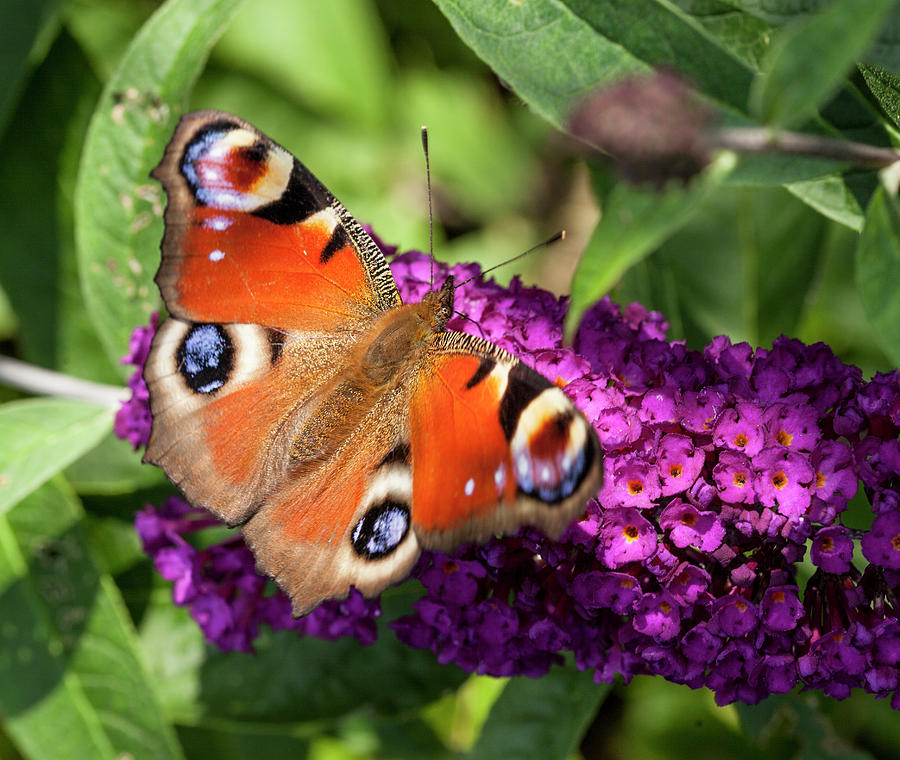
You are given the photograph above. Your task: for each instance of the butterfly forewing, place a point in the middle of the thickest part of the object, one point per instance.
(252, 236)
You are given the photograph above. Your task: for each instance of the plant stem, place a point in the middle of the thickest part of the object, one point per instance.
(45, 382)
(763, 140)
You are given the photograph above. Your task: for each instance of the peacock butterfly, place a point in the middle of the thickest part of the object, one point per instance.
(293, 394)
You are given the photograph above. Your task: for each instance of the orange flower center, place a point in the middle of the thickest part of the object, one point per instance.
(740, 479)
(741, 440)
(895, 542)
(827, 544)
(449, 567)
(784, 438)
(778, 597)
(820, 479)
(630, 533)
(635, 487)
(779, 480)
(688, 518)
(676, 470)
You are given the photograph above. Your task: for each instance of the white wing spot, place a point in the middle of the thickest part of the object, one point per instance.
(218, 223)
(470, 486)
(216, 255)
(522, 464)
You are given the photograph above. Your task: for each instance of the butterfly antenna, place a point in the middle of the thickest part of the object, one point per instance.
(466, 316)
(561, 235)
(430, 213)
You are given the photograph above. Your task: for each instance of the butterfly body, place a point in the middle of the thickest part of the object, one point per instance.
(293, 393)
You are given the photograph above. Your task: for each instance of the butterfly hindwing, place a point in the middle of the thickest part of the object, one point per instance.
(252, 236)
(350, 522)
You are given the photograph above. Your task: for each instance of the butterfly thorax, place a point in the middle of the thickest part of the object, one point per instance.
(385, 354)
(402, 334)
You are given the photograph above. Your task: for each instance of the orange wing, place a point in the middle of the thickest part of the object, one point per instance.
(252, 236)
(349, 522)
(494, 445)
(269, 282)
(227, 401)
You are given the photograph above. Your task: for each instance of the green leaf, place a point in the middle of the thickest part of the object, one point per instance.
(174, 651)
(540, 717)
(878, 270)
(25, 35)
(833, 313)
(196, 679)
(409, 738)
(293, 670)
(104, 29)
(112, 467)
(553, 52)
(338, 53)
(39, 437)
(805, 66)
(774, 169)
(831, 197)
(754, 265)
(745, 36)
(483, 161)
(885, 86)
(71, 680)
(459, 716)
(228, 740)
(36, 215)
(634, 222)
(743, 268)
(798, 717)
(8, 320)
(884, 52)
(118, 209)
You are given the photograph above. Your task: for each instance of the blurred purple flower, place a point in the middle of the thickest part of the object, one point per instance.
(132, 422)
(722, 468)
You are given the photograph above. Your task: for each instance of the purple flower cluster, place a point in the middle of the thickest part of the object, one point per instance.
(722, 468)
(224, 593)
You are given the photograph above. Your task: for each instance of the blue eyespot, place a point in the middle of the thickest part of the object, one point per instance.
(205, 358)
(381, 530)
